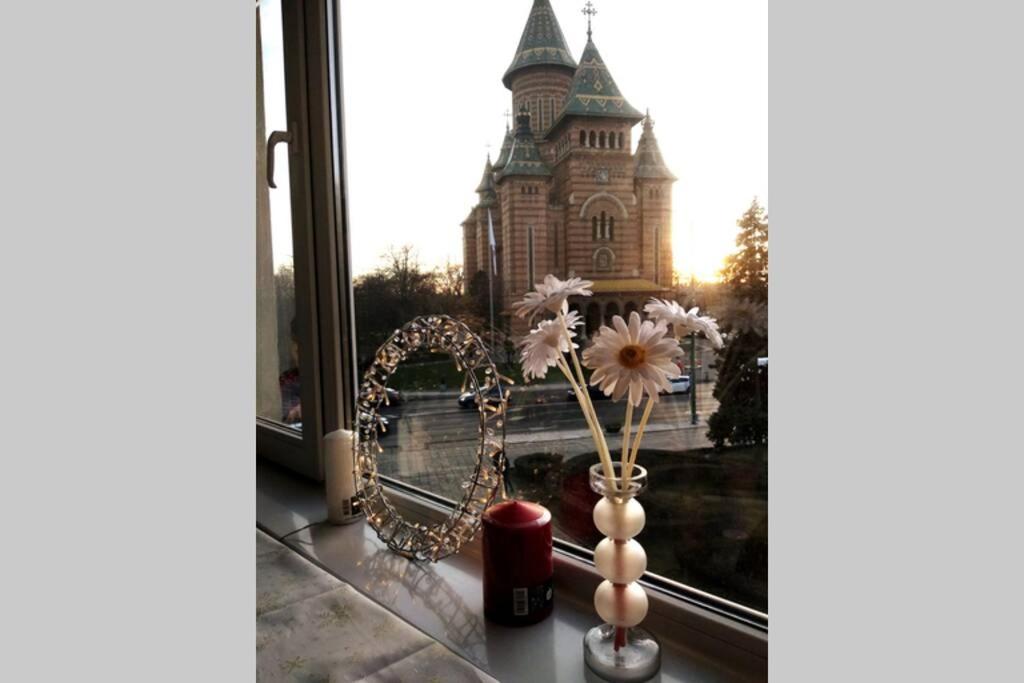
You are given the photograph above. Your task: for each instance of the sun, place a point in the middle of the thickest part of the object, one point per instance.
(701, 254)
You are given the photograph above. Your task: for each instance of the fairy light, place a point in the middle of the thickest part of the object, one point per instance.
(438, 333)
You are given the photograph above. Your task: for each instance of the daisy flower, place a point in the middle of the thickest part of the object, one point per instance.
(637, 359)
(683, 321)
(551, 295)
(545, 344)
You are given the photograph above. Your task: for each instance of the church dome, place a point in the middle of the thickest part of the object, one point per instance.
(542, 43)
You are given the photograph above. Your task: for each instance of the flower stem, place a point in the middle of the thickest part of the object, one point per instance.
(583, 396)
(624, 456)
(628, 468)
(592, 423)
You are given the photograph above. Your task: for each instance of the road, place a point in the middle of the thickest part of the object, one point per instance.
(432, 442)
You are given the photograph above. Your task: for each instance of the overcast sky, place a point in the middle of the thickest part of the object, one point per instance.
(423, 99)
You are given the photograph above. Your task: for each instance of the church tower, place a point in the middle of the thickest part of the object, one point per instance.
(524, 184)
(654, 196)
(566, 194)
(542, 69)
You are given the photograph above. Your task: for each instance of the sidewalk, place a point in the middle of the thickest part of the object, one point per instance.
(516, 388)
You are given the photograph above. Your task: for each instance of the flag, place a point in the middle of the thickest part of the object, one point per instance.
(494, 246)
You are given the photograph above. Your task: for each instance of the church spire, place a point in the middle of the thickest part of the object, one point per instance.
(506, 150)
(485, 189)
(594, 92)
(524, 157)
(649, 163)
(542, 43)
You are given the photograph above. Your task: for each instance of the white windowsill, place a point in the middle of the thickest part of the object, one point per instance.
(445, 599)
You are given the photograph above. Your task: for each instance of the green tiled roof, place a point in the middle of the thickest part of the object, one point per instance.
(649, 163)
(524, 158)
(485, 189)
(506, 149)
(487, 180)
(542, 42)
(593, 91)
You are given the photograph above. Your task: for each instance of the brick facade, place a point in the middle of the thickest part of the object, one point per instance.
(582, 203)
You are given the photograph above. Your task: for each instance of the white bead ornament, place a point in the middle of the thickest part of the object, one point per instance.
(619, 520)
(624, 606)
(620, 562)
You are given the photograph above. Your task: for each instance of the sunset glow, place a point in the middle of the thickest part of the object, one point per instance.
(422, 110)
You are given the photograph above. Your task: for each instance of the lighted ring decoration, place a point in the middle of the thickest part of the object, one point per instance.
(436, 333)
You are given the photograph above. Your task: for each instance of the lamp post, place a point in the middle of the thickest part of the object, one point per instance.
(693, 378)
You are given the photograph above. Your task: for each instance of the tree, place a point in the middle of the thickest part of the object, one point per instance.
(400, 289)
(746, 271)
(742, 385)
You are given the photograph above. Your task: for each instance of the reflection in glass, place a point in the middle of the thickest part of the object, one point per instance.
(277, 367)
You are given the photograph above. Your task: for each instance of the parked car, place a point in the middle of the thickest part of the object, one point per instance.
(493, 396)
(680, 385)
(595, 394)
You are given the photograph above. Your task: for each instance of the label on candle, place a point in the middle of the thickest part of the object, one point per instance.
(527, 601)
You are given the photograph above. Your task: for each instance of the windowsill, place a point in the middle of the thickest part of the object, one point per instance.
(445, 600)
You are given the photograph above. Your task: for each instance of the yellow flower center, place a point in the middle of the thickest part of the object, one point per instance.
(632, 356)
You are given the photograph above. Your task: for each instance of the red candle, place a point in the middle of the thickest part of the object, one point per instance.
(517, 563)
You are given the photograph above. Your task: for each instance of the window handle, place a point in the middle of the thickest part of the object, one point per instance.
(275, 137)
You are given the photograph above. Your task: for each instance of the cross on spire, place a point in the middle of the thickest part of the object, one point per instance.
(589, 11)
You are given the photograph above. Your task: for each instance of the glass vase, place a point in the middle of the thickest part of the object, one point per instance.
(619, 650)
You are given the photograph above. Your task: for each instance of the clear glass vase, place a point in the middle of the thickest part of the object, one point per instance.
(619, 650)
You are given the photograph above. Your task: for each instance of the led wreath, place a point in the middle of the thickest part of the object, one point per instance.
(436, 333)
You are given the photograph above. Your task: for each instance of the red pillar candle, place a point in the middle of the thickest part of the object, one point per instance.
(518, 567)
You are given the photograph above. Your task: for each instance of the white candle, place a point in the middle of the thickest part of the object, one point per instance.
(339, 475)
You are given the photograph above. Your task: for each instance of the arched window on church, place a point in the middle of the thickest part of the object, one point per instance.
(583, 138)
(611, 227)
(621, 139)
(604, 226)
(601, 140)
(593, 138)
(593, 224)
(657, 253)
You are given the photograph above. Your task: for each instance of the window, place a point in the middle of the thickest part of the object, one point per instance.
(530, 276)
(277, 345)
(301, 349)
(706, 509)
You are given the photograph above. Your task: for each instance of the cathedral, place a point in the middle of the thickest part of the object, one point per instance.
(566, 195)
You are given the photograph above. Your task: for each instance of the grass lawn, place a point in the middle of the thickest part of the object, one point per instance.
(707, 513)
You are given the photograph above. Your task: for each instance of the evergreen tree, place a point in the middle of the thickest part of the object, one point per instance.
(746, 271)
(742, 385)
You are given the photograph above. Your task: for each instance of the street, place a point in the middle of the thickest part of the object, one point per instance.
(432, 442)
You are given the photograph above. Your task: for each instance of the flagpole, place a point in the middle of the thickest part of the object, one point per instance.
(490, 272)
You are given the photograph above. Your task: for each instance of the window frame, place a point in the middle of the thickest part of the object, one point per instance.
(323, 292)
(325, 308)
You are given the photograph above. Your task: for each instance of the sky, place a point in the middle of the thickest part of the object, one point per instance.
(424, 99)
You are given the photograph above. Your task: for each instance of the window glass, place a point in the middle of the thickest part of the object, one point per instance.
(277, 373)
(442, 137)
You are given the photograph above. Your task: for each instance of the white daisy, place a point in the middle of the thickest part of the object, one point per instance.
(545, 344)
(637, 359)
(709, 327)
(683, 321)
(551, 295)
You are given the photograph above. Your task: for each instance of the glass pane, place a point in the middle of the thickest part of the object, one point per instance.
(277, 373)
(493, 159)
